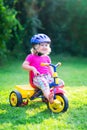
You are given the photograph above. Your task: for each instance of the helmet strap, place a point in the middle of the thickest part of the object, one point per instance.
(38, 53)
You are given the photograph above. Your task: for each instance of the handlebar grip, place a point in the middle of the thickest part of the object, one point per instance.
(44, 64)
(59, 63)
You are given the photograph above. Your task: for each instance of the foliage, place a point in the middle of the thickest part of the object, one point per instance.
(8, 23)
(77, 27)
(65, 21)
(28, 17)
(66, 24)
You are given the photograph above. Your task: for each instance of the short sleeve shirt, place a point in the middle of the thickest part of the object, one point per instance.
(35, 60)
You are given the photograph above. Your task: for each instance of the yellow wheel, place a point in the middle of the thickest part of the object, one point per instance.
(15, 98)
(60, 104)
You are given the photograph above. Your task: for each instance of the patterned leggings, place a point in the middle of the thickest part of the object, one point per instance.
(43, 81)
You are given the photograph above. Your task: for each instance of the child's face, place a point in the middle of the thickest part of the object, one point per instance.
(43, 48)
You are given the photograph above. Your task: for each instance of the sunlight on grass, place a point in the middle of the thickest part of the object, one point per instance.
(36, 116)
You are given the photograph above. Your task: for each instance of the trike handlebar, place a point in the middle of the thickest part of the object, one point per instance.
(58, 64)
(49, 64)
(54, 66)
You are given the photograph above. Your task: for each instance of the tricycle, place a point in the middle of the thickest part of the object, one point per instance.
(23, 94)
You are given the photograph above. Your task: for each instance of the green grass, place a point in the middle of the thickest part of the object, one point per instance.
(36, 116)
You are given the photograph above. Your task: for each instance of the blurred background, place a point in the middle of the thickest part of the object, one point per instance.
(64, 21)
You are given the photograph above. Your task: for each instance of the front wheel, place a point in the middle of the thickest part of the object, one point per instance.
(60, 104)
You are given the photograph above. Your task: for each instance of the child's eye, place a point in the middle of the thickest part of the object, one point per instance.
(47, 45)
(42, 45)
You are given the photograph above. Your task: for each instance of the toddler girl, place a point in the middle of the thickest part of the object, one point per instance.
(40, 76)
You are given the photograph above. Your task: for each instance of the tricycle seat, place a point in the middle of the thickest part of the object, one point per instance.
(25, 90)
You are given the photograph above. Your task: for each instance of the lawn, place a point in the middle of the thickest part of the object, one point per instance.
(36, 116)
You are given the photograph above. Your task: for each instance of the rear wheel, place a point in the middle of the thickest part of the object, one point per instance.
(60, 104)
(15, 98)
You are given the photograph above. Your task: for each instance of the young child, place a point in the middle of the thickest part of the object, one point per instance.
(40, 76)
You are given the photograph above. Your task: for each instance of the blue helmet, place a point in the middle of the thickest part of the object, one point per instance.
(40, 38)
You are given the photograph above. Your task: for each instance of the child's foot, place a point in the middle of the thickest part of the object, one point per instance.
(51, 97)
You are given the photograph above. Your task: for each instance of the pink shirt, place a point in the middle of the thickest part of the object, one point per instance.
(35, 60)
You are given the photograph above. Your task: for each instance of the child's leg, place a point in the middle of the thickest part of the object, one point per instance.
(49, 95)
(42, 83)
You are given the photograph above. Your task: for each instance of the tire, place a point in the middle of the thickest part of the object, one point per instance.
(60, 104)
(15, 98)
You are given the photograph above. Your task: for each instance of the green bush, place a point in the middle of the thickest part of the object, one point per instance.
(8, 23)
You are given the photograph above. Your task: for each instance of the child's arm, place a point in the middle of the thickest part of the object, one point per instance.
(27, 67)
(51, 70)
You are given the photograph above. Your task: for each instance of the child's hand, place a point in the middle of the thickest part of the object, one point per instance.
(35, 72)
